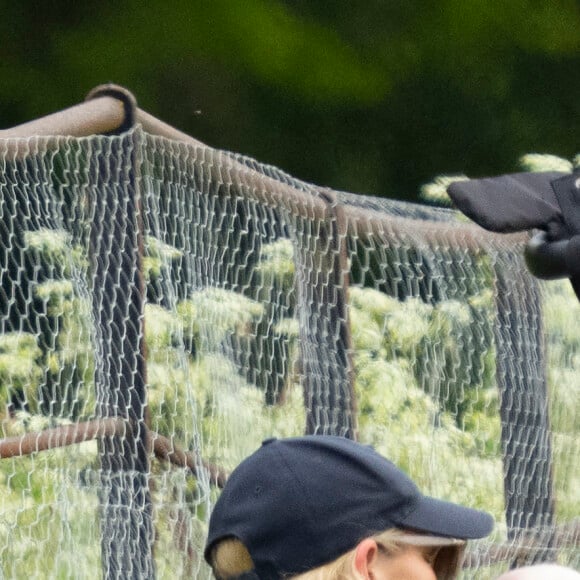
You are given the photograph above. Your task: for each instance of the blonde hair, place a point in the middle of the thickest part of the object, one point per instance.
(343, 567)
(230, 558)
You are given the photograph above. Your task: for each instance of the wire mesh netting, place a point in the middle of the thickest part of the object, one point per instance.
(165, 307)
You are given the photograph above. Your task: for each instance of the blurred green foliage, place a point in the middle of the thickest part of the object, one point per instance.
(372, 96)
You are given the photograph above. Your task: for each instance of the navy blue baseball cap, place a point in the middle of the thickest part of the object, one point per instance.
(301, 502)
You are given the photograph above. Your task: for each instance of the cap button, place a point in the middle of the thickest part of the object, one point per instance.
(268, 441)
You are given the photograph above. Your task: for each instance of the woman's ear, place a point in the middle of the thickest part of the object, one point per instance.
(365, 558)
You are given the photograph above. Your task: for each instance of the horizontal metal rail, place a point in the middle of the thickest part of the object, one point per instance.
(566, 535)
(66, 435)
(103, 115)
(106, 111)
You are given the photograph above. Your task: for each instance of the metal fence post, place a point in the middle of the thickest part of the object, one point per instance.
(525, 424)
(118, 294)
(325, 339)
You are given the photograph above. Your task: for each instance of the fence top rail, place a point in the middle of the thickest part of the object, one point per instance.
(99, 116)
(110, 109)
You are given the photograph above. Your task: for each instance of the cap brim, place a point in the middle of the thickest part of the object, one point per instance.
(442, 518)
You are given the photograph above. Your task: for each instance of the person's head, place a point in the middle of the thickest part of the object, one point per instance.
(327, 507)
(393, 554)
(541, 572)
